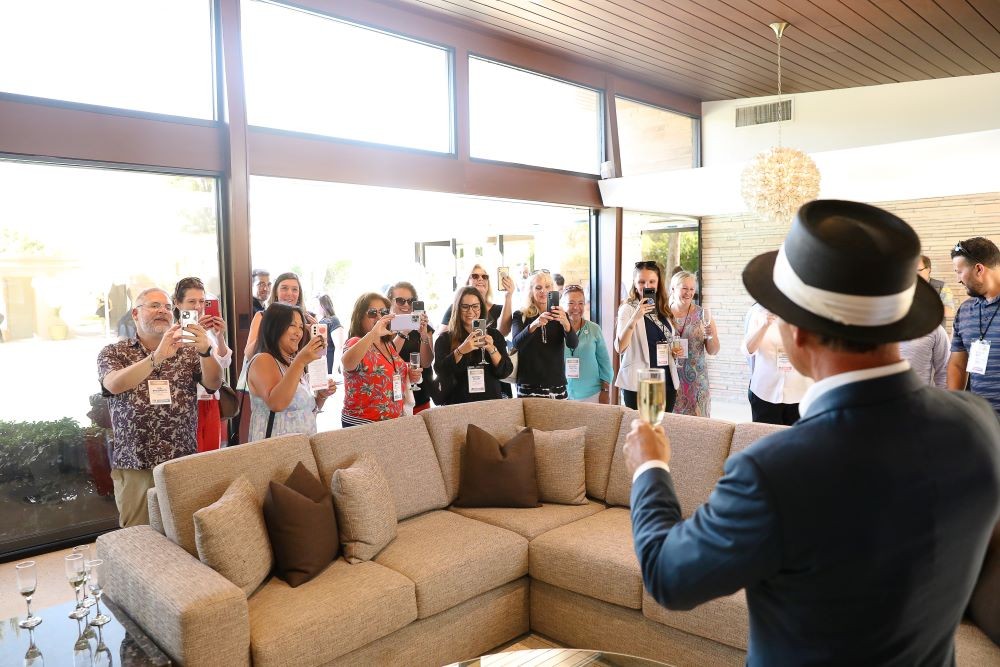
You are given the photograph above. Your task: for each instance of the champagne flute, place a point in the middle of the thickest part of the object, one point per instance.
(652, 395)
(96, 585)
(82, 655)
(706, 320)
(84, 550)
(76, 574)
(415, 365)
(102, 654)
(27, 582)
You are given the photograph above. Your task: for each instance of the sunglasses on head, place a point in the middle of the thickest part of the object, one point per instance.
(962, 250)
(647, 264)
(376, 312)
(573, 288)
(478, 276)
(400, 301)
(537, 271)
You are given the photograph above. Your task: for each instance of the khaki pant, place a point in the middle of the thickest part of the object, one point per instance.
(130, 495)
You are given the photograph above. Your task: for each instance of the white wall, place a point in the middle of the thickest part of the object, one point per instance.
(853, 117)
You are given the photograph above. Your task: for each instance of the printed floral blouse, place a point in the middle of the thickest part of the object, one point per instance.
(368, 388)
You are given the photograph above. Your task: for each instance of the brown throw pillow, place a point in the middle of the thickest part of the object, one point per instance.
(984, 608)
(366, 510)
(495, 475)
(560, 466)
(302, 526)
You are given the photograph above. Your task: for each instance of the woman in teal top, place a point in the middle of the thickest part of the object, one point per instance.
(588, 367)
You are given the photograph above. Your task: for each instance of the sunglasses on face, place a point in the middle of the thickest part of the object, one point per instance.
(377, 312)
(478, 276)
(400, 301)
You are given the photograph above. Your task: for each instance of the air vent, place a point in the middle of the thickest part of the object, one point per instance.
(764, 113)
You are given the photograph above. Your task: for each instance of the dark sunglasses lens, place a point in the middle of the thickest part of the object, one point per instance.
(400, 301)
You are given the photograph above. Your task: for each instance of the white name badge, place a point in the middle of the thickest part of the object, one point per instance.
(683, 344)
(477, 380)
(317, 374)
(159, 392)
(784, 364)
(662, 354)
(979, 355)
(573, 368)
(397, 387)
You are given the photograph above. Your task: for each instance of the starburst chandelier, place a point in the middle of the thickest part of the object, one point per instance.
(778, 181)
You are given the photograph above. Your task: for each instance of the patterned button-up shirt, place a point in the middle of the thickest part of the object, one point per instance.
(147, 435)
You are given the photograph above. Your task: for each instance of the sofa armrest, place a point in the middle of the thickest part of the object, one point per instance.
(189, 610)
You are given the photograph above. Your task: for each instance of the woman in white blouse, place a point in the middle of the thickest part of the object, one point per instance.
(775, 387)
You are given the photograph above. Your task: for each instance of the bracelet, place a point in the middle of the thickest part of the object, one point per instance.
(152, 361)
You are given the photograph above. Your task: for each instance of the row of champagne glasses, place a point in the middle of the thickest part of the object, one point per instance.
(80, 571)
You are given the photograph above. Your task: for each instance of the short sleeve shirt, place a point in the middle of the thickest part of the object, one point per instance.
(368, 388)
(146, 435)
(974, 319)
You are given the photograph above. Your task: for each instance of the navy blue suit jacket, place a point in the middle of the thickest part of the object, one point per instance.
(858, 533)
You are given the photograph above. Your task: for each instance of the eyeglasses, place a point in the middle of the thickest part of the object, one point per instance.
(647, 264)
(479, 276)
(376, 312)
(960, 249)
(469, 306)
(400, 301)
(155, 306)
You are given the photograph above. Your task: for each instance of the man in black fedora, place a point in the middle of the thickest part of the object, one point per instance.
(859, 532)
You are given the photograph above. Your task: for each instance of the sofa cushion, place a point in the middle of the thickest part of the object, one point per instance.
(559, 466)
(403, 447)
(602, 422)
(700, 447)
(448, 426)
(724, 619)
(451, 559)
(498, 473)
(187, 484)
(301, 525)
(593, 556)
(343, 608)
(533, 521)
(748, 433)
(232, 539)
(366, 515)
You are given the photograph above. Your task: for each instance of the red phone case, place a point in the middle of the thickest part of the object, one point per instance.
(212, 308)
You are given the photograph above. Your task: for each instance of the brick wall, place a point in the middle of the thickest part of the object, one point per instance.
(729, 242)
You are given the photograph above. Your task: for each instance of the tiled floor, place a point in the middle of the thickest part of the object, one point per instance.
(52, 588)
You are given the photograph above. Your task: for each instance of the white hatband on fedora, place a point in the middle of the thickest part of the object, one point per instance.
(848, 309)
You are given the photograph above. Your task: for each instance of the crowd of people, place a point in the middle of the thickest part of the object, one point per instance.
(531, 337)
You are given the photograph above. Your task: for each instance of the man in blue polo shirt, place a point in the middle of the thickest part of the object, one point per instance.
(975, 344)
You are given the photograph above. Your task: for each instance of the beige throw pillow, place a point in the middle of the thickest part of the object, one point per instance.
(366, 511)
(231, 537)
(560, 466)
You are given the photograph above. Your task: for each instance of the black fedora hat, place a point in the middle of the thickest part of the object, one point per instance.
(847, 270)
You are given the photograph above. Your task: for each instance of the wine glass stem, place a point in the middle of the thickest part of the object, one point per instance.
(28, 600)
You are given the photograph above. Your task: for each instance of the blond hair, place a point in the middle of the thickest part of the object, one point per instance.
(675, 282)
(530, 309)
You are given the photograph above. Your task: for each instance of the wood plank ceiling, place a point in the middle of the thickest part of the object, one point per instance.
(724, 49)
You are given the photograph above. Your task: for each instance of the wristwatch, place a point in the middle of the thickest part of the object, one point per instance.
(207, 354)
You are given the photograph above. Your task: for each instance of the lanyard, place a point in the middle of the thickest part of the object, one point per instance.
(389, 358)
(983, 332)
(680, 329)
(667, 333)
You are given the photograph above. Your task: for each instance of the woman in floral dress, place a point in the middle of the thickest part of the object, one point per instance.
(693, 339)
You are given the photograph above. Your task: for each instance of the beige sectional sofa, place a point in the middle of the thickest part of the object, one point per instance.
(455, 582)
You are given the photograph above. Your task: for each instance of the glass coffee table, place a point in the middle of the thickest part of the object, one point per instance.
(56, 641)
(559, 657)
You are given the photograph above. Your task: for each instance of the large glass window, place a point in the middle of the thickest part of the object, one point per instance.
(653, 139)
(345, 240)
(77, 245)
(671, 240)
(311, 73)
(154, 56)
(525, 118)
